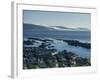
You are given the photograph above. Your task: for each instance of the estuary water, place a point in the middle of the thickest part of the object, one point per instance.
(65, 35)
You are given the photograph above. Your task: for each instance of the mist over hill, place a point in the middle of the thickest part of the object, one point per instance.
(36, 27)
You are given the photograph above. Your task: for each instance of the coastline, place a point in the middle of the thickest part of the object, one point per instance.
(47, 53)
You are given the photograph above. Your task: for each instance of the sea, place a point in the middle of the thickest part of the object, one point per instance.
(65, 35)
(82, 36)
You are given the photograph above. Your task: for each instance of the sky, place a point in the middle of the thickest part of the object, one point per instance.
(51, 18)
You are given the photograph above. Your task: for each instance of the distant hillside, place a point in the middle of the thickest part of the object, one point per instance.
(50, 28)
(85, 29)
(35, 27)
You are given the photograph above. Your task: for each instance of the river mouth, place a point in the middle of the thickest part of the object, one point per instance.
(51, 53)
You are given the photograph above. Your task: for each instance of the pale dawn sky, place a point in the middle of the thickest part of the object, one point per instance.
(50, 18)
